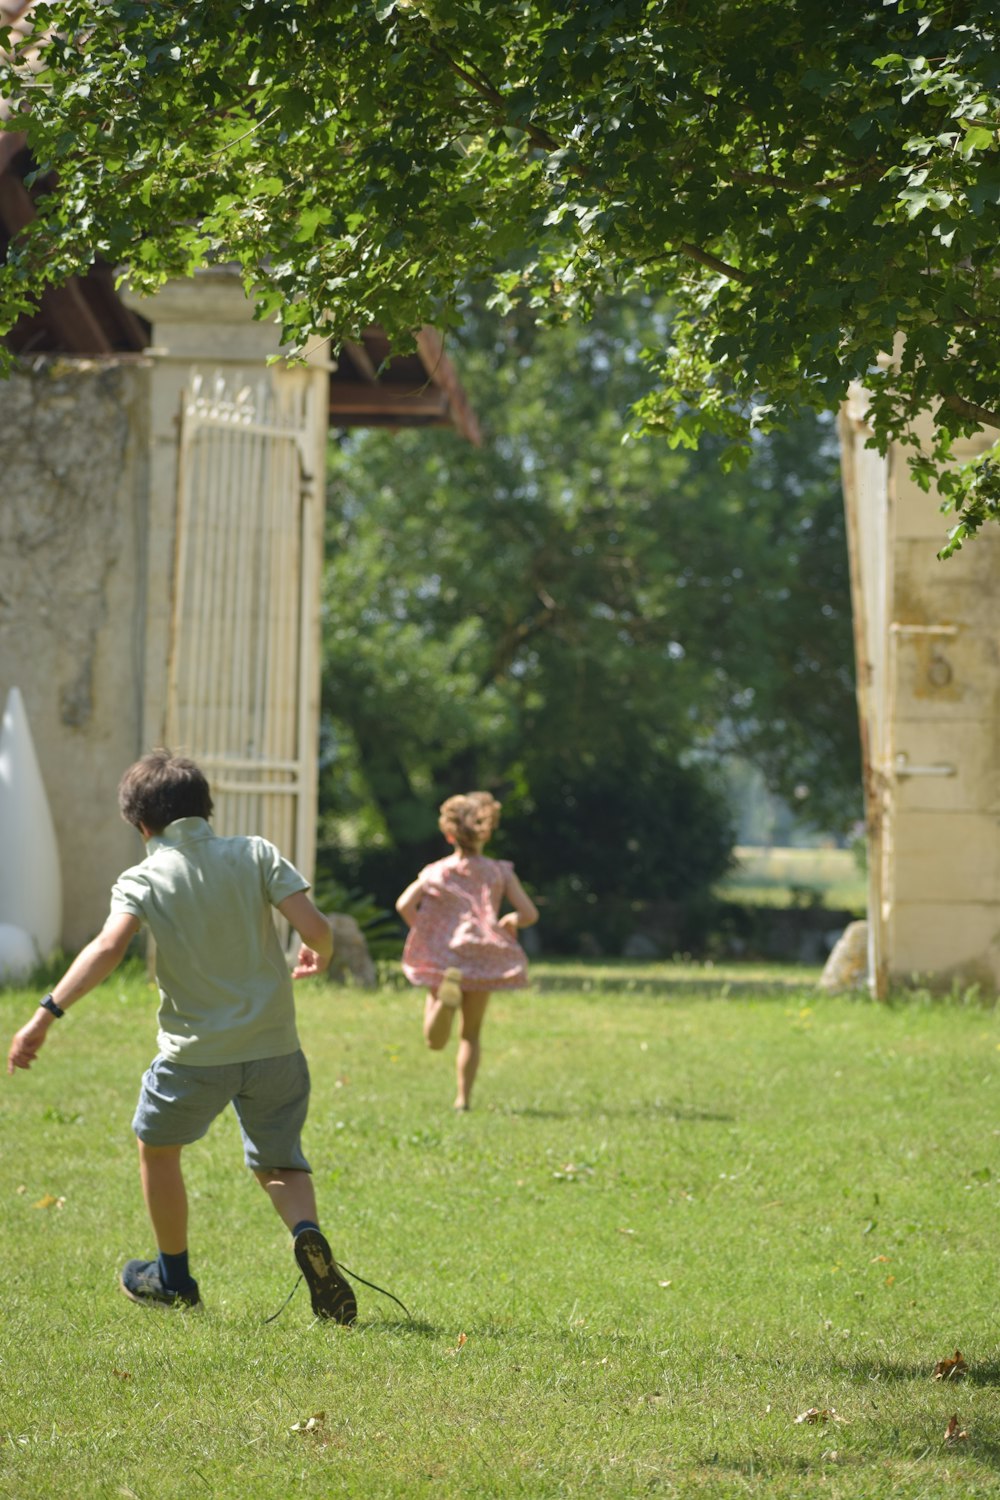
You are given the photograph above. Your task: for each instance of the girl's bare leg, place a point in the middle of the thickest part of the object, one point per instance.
(467, 1062)
(437, 1022)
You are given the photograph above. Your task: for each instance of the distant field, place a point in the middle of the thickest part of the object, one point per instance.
(788, 877)
(674, 975)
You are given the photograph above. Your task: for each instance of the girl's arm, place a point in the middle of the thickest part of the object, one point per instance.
(525, 909)
(409, 902)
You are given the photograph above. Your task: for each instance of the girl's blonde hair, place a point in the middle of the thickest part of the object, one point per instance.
(469, 818)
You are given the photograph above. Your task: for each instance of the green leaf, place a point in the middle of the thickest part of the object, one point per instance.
(977, 138)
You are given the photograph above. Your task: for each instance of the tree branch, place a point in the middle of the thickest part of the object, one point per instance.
(722, 267)
(971, 412)
(772, 179)
(486, 90)
(515, 637)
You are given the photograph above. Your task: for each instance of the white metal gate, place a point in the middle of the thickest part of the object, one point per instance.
(243, 678)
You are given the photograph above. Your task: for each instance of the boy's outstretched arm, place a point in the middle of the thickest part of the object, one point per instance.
(315, 932)
(92, 964)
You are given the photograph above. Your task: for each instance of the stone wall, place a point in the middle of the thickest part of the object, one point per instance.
(73, 452)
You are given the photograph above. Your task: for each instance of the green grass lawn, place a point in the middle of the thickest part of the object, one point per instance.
(672, 1224)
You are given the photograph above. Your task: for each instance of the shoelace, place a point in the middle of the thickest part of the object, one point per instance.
(354, 1275)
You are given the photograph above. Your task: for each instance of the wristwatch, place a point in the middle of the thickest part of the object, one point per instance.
(50, 1005)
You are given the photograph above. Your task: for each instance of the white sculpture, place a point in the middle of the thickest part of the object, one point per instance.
(30, 876)
(18, 955)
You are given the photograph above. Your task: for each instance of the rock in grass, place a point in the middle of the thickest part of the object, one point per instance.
(847, 966)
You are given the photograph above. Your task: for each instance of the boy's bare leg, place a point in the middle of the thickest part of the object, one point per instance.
(467, 1062)
(292, 1193)
(165, 1195)
(437, 1023)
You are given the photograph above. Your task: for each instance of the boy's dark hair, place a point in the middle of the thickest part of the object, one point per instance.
(162, 787)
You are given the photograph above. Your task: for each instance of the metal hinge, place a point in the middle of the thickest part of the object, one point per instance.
(901, 767)
(897, 628)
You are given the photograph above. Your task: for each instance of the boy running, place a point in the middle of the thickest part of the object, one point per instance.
(226, 1020)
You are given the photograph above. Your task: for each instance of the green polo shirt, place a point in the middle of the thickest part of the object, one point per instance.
(225, 988)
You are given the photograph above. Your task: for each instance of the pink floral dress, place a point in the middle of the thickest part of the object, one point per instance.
(457, 926)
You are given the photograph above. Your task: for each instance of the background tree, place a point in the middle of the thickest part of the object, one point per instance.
(806, 181)
(580, 623)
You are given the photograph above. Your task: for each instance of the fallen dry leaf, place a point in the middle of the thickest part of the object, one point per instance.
(953, 1433)
(951, 1369)
(312, 1424)
(820, 1414)
(47, 1201)
(458, 1344)
(122, 1374)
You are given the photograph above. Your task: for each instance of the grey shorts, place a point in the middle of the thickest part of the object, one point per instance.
(178, 1103)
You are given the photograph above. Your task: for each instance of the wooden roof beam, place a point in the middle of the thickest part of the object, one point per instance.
(363, 360)
(442, 372)
(357, 397)
(64, 309)
(12, 143)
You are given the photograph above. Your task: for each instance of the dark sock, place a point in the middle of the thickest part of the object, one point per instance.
(303, 1224)
(174, 1272)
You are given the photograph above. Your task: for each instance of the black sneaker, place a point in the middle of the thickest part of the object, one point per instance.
(332, 1296)
(141, 1280)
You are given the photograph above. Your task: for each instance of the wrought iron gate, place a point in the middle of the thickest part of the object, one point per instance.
(243, 678)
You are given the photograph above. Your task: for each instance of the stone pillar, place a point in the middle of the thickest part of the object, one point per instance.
(928, 645)
(944, 891)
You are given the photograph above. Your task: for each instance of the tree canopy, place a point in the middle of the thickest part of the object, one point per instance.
(583, 625)
(814, 186)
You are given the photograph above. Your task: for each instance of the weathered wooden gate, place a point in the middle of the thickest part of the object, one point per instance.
(243, 678)
(865, 479)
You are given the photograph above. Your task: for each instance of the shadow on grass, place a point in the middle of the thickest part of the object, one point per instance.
(986, 1373)
(680, 988)
(413, 1328)
(666, 1111)
(982, 1451)
(776, 1463)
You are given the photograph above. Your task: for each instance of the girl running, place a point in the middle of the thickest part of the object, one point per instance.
(459, 947)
